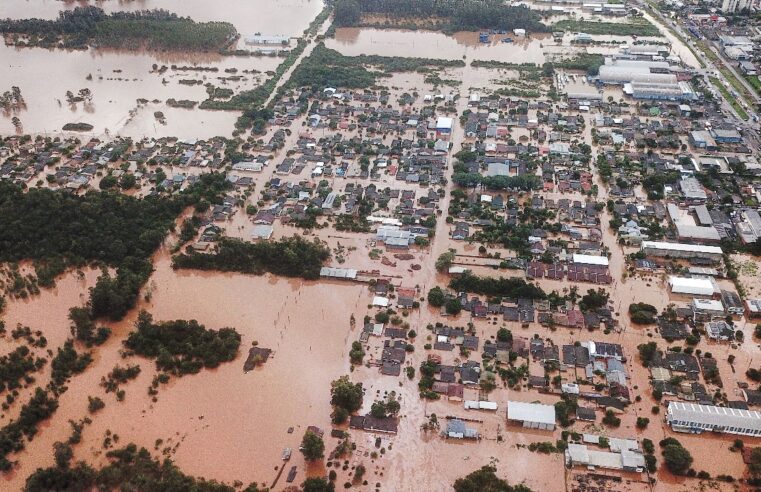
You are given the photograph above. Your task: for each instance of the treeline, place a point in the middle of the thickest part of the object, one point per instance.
(510, 287)
(517, 183)
(289, 257)
(458, 15)
(329, 68)
(105, 228)
(129, 468)
(182, 347)
(152, 29)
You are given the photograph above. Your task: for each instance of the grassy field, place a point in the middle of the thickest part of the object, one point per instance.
(754, 81)
(729, 97)
(635, 28)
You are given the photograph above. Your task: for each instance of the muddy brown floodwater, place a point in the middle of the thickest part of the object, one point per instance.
(288, 17)
(120, 78)
(229, 425)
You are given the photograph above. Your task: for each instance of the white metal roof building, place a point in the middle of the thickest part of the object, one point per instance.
(262, 231)
(676, 91)
(444, 123)
(580, 454)
(480, 405)
(531, 415)
(590, 260)
(267, 40)
(612, 74)
(623, 62)
(692, 286)
(646, 49)
(342, 273)
(680, 250)
(393, 234)
(694, 418)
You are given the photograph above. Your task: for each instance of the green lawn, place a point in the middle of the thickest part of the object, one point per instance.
(634, 28)
(754, 81)
(729, 97)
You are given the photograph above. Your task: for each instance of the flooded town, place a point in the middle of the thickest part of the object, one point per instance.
(380, 245)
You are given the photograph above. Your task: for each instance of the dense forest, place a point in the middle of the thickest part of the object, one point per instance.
(129, 468)
(105, 228)
(152, 29)
(455, 15)
(182, 347)
(328, 68)
(289, 257)
(510, 287)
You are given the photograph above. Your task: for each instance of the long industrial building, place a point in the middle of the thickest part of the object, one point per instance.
(681, 250)
(694, 418)
(671, 91)
(624, 74)
(531, 415)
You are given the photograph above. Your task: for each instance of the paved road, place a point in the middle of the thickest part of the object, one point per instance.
(710, 70)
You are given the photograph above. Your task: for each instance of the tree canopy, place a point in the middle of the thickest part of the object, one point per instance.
(511, 287)
(312, 446)
(290, 257)
(346, 395)
(152, 29)
(457, 15)
(129, 468)
(485, 480)
(182, 347)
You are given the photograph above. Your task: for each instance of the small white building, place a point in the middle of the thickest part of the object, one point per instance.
(480, 405)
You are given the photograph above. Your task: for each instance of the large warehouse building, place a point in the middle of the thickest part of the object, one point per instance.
(681, 250)
(694, 418)
(619, 75)
(705, 287)
(531, 415)
(672, 91)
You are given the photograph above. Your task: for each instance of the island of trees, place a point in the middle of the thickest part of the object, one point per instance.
(182, 347)
(445, 15)
(147, 29)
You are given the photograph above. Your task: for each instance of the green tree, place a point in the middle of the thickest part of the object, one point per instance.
(486, 480)
(347, 13)
(312, 446)
(444, 261)
(436, 297)
(677, 459)
(453, 305)
(127, 181)
(345, 394)
(316, 484)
